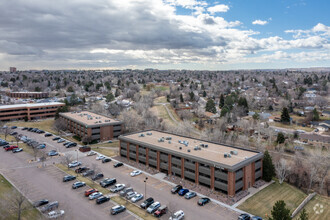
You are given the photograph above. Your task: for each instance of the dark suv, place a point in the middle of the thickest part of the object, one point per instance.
(119, 164)
(102, 199)
(68, 178)
(108, 182)
(97, 176)
(176, 189)
(146, 203)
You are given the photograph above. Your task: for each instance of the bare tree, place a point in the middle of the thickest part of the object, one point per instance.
(171, 207)
(86, 139)
(43, 157)
(59, 125)
(6, 132)
(66, 159)
(17, 138)
(281, 168)
(17, 202)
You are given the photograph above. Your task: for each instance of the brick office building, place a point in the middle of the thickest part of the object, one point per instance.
(30, 111)
(31, 95)
(223, 168)
(92, 125)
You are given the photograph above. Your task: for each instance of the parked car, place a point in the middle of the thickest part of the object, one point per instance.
(97, 176)
(25, 128)
(125, 191)
(130, 195)
(81, 169)
(91, 153)
(48, 134)
(78, 184)
(11, 147)
(13, 127)
(135, 173)
(108, 182)
(190, 195)
(60, 141)
(137, 198)
(56, 138)
(41, 146)
(176, 189)
(203, 201)
(100, 157)
(183, 192)
(90, 191)
(117, 209)
(146, 203)
(106, 160)
(66, 143)
(71, 145)
(117, 188)
(16, 150)
(52, 153)
(102, 199)
(13, 133)
(55, 214)
(119, 164)
(161, 211)
(256, 218)
(177, 215)
(3, 143)
(244, 216)
(153, 207)
(68, 178)
(40, 203)
(95, 195)
(49, 206)
(88, 173)
(74, 164)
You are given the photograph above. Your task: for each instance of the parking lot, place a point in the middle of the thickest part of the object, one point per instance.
(39, 180)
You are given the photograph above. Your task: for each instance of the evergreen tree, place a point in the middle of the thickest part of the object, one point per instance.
(192, 95)
(280, 212)
(268, 171)
(110, 97)
(303, 215)
(316, 115)
(204, 94)
(210, 106)
(280, 138)
(222, 101)
(181, 98)
(285, 117)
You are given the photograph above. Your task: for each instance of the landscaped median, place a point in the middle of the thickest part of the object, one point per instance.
(117, 199)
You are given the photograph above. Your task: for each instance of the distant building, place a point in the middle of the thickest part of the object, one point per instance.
(31, 95)
(222, 168)
(12, 69)
(29, 111)
(92, 125)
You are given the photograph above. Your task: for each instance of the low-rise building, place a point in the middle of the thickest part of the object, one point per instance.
(29, 111)
(31, 95)
(223, 168)
(95, 126)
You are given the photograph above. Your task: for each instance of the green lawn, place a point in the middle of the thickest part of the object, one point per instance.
(262, 202)
(323, 213)
(6, 189)
(293, 126)
(104, 151)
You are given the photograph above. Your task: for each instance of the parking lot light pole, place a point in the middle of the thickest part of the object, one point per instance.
(145, 187)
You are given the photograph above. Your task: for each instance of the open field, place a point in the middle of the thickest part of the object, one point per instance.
(5, 190)
(322, 211)
(115, 143)
(161, 99)
(262, 202)
(45, 125)
(293, 126)
(133, 208)
(88, 181)
(104, 151)
(160, 112)
(9, 138)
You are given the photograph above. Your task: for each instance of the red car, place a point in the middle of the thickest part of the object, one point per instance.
(10, 147)
(90, 191)
(161, 211)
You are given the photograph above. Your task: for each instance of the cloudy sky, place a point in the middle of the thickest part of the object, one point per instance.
(164, 34)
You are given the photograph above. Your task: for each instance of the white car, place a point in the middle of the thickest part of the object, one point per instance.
(91, 153)
(55, 214)
(177, 215)
(100, 157)
(74, 164)
(130, 195)
(95, 195)
(135, 173)
(117, 188)
(137, 198)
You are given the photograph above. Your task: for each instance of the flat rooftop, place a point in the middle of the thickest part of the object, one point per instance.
(213, 153)
(88, 118)
(29, 105)
(29, 92)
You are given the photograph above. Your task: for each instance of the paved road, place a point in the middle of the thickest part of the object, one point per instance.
(47, 183)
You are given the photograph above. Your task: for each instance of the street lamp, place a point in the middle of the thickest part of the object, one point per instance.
(145, 187)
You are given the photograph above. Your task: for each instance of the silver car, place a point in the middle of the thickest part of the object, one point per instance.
(130, 195)
(95, 195)
(137, 198)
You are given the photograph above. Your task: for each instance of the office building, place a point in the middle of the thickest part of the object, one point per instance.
(31, 95)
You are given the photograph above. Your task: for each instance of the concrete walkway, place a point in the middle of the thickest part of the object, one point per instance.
(252, 191)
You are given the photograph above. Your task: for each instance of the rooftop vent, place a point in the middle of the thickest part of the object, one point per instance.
(169, 142)
(107, 120)
(233, 152)
(149, 133)
(168, 138)
(227, 155)
(160, 140)
(141, 135)
(180, 148)
(188, 150)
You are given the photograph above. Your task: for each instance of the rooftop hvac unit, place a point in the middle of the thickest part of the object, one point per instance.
(107, 120)
(100, 121)
(160, 140)
(226, 155)
(233, 152)
(188, 150)
(141, 135)
(206, 145)
(149, 133)
(179, 141)
(196, 148)
(169, 142)
(168, 138)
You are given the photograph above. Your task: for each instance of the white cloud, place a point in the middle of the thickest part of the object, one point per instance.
(218, 8)
(259, 22)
